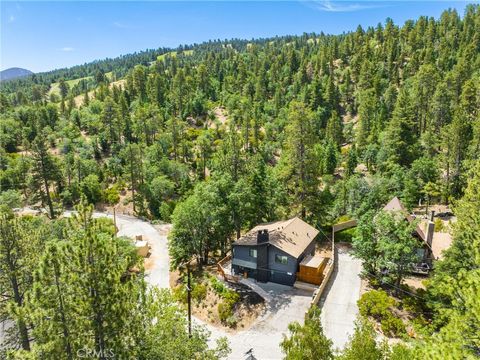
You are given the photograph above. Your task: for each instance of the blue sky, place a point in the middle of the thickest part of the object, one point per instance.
(42, 36)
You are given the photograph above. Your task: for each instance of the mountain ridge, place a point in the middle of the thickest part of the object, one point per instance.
(14, 73)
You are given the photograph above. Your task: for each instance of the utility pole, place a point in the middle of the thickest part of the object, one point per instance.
(189, 295)
(115, 220)
(189, 301)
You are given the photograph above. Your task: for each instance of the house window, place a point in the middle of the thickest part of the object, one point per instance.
(281, 259)
(253, 253)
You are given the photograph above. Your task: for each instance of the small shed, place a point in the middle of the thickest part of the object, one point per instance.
(143, 249)
(311, 269)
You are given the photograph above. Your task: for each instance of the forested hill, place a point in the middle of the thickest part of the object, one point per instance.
(118, 66)
(218, 137)
(277, 126)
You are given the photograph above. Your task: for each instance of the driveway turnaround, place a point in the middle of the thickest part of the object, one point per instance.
(339, 301)
(284, 305)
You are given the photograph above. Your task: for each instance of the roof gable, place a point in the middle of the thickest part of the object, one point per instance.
(291, 236)
(396, 206)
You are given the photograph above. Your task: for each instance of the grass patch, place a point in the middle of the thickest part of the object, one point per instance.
(55, 87)
(346, 235)
(174, 54)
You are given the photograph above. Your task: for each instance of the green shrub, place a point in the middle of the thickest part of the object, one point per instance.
(231, 321)
(199, 292)
(231, 296)
(439, 225)
(166, 209)
(180, 294)
(346, 235)
(112, 195)
(225, 311)
(343, 218)
(411, 305)
(91, 188)
(392, 325)
(375, 303)
(11, 198)
(217, 286)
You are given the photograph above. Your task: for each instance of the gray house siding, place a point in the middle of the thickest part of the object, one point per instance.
(242, 262)
(280, 273)
(243, 253)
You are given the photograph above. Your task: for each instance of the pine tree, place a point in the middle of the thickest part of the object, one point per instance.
(307, 342)
(52, 304)
(400, 141)
(299, 161)
(63, 87)
(132, 156)
(334, 130)
(20, 242)
(329, 160)
(108, 295)
(352, 161)
(44, 171)
(86, 98)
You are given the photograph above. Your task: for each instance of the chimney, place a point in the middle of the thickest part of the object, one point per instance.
(430, 231)
(262, 236)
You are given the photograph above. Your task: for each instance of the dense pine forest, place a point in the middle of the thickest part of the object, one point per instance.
(216, 138)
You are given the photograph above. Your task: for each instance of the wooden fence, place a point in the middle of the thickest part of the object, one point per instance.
(326, 276)
(342, 226)
(221, 270)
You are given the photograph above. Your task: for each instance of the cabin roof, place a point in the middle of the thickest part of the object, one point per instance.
(440, 242)
(291, 236)
(396, 206)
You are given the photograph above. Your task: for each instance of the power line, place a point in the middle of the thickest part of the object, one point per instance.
(387, 283)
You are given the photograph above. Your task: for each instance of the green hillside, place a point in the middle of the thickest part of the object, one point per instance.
(238, 133)
(54, 89)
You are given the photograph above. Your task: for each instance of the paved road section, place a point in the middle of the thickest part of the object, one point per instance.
(339, 302)
(158, 272)
(284, 306)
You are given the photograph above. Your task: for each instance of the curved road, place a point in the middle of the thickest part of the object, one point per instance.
(158, 272)
(284, 305)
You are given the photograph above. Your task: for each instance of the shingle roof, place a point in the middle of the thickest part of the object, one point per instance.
(440, 242)
(292, 236)
(395, 205)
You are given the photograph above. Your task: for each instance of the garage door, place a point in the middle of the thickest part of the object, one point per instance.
(282, 278)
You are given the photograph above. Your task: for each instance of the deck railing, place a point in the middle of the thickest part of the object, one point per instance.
(221, 270)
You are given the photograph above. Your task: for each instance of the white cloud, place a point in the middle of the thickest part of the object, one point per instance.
(120, 25)
(67, 49)
(11, 19)
(339, 6)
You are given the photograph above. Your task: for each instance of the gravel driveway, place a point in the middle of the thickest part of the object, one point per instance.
(339, 301)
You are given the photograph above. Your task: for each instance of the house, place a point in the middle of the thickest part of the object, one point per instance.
(434, 243)
(273, 252)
